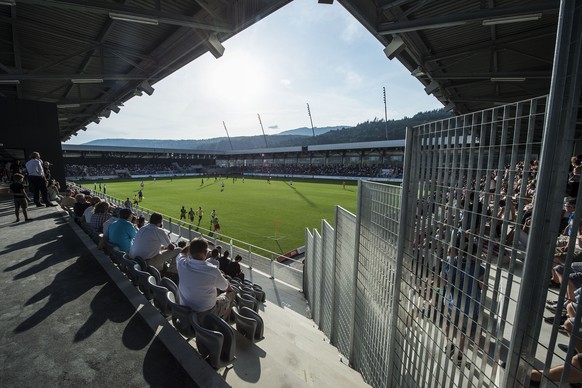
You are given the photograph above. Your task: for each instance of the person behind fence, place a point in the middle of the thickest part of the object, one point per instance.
(20, 197)
(153, 244)
(464, 277)
(199, 281)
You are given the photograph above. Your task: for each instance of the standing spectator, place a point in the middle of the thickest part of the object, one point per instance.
(464, 295)
(153, 244)
(127, 204)
(199, 281)
(37, 180)
(20, 197)
(47, 171)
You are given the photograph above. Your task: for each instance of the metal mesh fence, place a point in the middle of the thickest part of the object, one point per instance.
(437, 298)
(377, 260)
(344, 292)
(326, 307)
(317, 276)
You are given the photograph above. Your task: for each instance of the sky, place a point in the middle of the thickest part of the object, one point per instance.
(304, 53)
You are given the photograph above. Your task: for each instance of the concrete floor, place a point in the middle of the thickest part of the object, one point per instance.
(68, 317)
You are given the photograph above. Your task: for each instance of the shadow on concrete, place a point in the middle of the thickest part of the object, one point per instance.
(67, 285)
(248, 364)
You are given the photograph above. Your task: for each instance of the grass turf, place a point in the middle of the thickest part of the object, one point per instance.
(271, 216)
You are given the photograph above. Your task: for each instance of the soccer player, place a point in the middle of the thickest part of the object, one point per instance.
(135, 200)
(140, 195)
(183, 213)
(191, 215)
(142, 184)
(212, 217)
(200, 213)
(216, 225)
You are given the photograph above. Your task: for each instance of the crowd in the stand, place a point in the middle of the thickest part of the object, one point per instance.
(494, 211)
(78, 170)
(356, 170)
(371, 170)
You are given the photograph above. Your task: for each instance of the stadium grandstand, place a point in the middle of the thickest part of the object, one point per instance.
(464, 274)
(380, 161)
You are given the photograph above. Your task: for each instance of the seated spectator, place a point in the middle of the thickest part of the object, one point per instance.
(555, 373)
(81, 204)
(121, 233)
(153, 244)
(233, 270)
(224, 261)
(114, 217)
(140, 223)
(88, 213)
(53, 191)
(68, 200)
(100, 215)
(213, 258)
(199, 280)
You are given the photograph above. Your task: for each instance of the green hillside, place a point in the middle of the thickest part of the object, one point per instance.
(271, 216)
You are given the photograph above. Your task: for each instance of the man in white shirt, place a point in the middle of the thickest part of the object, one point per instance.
(37, 180)
(199, 280)
(153, 244)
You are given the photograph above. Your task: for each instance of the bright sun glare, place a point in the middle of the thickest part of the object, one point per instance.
(242, 80)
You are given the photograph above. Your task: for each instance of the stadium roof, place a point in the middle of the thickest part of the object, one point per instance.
(471, 55)
(89, 57)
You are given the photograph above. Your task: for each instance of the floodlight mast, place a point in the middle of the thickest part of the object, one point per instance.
(227, 135)
(263, 129)
(310, 119)
(385, 113)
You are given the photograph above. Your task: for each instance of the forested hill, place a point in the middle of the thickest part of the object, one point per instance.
(374, 130)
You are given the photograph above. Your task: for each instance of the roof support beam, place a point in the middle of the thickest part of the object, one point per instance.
(460, 76)
(70, 76)
(461, 51)
(464, 18)
(104, 8)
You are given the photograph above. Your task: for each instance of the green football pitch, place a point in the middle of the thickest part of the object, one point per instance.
(272, 216)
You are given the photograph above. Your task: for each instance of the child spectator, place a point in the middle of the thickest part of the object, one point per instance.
(20, 197)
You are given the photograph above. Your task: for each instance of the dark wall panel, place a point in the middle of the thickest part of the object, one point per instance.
(33, 126)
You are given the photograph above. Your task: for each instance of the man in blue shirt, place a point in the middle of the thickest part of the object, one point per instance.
(122, 232)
